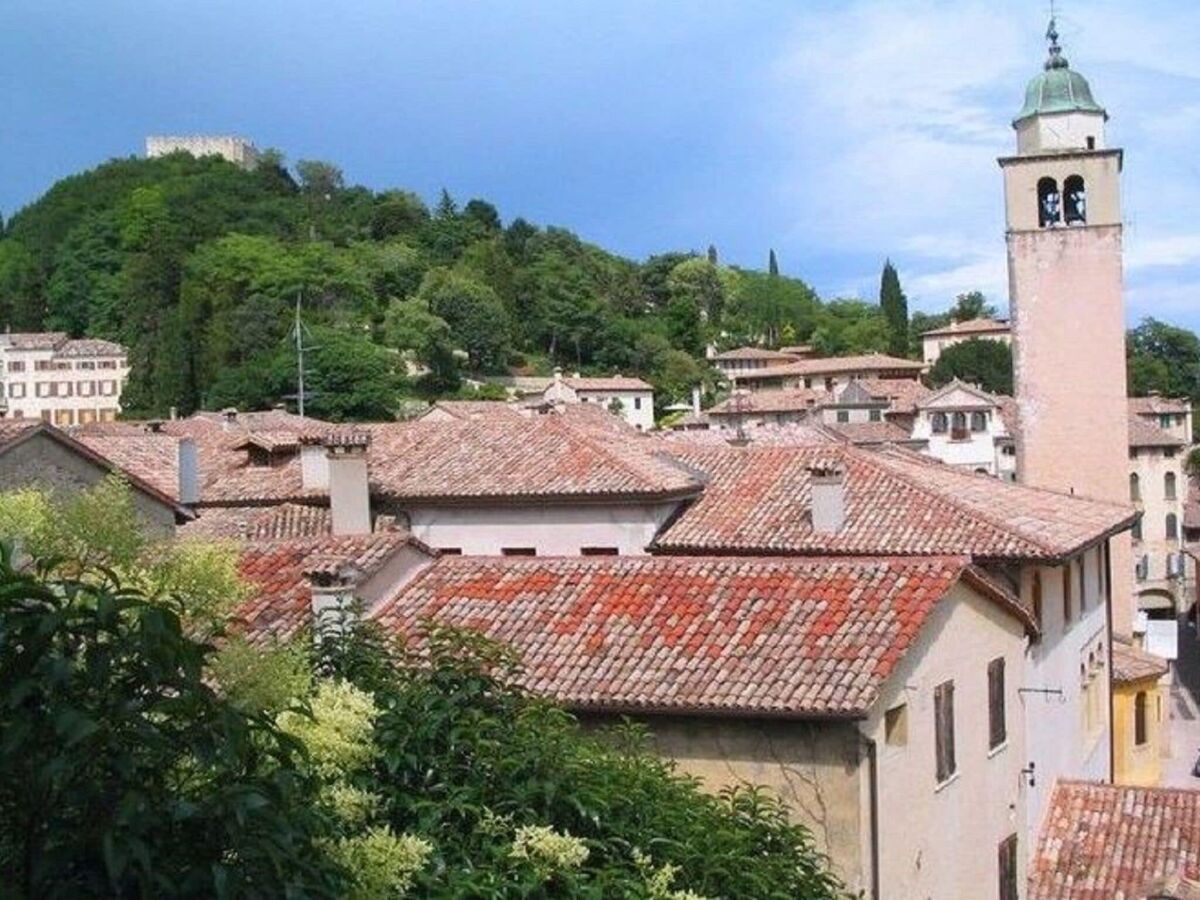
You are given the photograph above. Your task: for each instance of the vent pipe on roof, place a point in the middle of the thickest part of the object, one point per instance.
(828, 486)
(189, 472)
(349, 494)
(229, 416)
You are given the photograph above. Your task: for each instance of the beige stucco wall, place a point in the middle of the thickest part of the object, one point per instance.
(552, 529)
(41, 462)
(1060, 131)
(1152, 465)
(983, 803)
(1101, 179)
(816, 768)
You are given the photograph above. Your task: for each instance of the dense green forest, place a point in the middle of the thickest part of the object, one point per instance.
(197, 266)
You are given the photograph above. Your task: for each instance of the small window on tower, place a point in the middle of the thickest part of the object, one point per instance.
(1091, 142)
(1076, 201)
(1049, 203)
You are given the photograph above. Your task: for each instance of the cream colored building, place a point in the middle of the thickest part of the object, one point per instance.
(631, 398)
(61, 380)
(938, 339)
(965, 426)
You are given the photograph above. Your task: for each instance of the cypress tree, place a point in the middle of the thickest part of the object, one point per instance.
(772, 263)
(712, 254)
(894, 305)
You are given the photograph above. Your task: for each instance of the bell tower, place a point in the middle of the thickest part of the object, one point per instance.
(1063, 209)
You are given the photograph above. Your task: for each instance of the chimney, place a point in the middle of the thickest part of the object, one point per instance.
(349, 496)
(229, 416)
(827, 486)
(314, 466)
(174, 413)
(154, 426)
(189, 472)
(331, 584)
(696, 401)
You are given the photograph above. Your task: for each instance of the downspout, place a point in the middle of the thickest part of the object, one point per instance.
(873, 796)
(1108, 614)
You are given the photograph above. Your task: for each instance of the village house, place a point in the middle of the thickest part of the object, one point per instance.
(631, 398)
(828, 374)
(61, 380)
(733, 363)
(967, 427)
(984, 328)
(1140, 695)
(36, 455)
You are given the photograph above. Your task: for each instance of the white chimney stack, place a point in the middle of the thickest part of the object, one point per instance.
(189, 472)
(696, 401)
(331, 585)
(349, 494)
(314, 465)
(229, 416)
(827, 484)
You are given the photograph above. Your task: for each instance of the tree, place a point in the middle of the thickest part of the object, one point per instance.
(411, 326)
(397, 212)
(122, 772)
(699, 282)
(772, 264)
(971, 305)
(712, 255)
(894, 305)
(20, 287)
(473, 312)
(985, 363)
(1163, 358)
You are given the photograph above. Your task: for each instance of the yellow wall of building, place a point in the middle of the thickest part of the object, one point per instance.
(1133, 764)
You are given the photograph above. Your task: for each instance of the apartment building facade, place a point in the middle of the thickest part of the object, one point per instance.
(62, 380)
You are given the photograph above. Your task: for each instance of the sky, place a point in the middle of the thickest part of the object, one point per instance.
(838, 133)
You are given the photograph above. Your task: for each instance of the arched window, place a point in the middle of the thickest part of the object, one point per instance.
(1075, 205)
(939, 423)
(958, 425)
(978, 421)
(1049, 202)
(1036, 596)
(1172, 527)
(1169, 485)
(1135, 487)
(1139, 718)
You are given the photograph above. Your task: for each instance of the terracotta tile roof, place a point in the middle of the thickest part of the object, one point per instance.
(611, 383)
(11, 429)
(815, 637)
(873, 433)
(260, 523)
(753, 402)
(474, 409)
(1114, 841)
(982, 325)
(281, 604)
(536, 458)
(81, 348)
(1144, 433)
(1132, 663)
(1154, 405)
(754, 353)
(788, 435)
(980, 398)
(32, 340)
(836, 365)
(756, 500)
(152, 457)
(903, 393)
(272, 440)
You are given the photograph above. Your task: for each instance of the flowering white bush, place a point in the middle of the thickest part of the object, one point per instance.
(659, 880)
(548, 850)
(339, 735)
(352, 806)
(381, 863)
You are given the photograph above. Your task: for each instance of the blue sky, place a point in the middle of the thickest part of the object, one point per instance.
(838, 133)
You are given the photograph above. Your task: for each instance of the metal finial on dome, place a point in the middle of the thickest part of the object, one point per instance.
(1056, 60)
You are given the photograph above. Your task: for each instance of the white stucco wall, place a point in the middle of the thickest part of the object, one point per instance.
(637, 407)
(977, 451)
(941, 841)
(82, 390)
(552, 530)
(1152, 465)
(1058, 741)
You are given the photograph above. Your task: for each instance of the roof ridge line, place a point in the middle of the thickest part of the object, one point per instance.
(614, 457)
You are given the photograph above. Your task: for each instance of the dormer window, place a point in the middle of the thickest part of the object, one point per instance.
(939, 422)
(978, 421)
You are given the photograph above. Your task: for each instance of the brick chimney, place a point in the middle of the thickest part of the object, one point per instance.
(349, 495)
(827, 483)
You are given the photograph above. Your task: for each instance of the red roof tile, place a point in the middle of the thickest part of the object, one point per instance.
(982, 325)
(1114, 841)
(1144, 433)
(754, 353)
(152, 457)
(281, 604)
(260, 523)
(814, 637)
(836, 365)
(1155, 405)
(1132, 663)
(756, 500)
(872, 433)
(606, 383)
(754, 402)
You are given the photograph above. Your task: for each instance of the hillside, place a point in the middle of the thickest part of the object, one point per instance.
(197, 265)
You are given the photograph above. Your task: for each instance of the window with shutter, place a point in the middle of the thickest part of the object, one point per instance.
(1008, 868)
(943, 712)
(997, 727)
(1066, 598)
(1139, 719)
(1037, 597)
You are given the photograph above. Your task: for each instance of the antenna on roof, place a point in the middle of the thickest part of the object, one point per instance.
(298, 332)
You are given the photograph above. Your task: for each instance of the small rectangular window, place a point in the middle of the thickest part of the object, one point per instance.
(1091, 142)
(997, 727)
(518, 551)
(1007, 864)
(943, 715)
(875, 415)
(637, 402)
(598, 551)
(843, 415)
(895, 726)
(450, 551)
